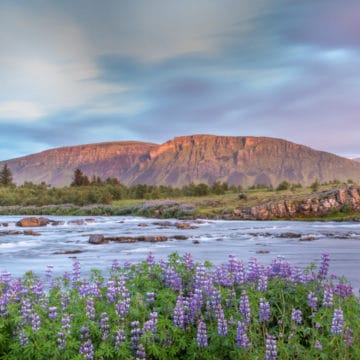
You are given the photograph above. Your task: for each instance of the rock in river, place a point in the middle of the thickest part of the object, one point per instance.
(97, 239)
(33, 222)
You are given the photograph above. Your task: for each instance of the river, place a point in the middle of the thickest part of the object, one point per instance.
(212, 240)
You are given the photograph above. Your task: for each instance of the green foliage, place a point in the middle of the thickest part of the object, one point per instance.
(122, 296)
(6, 178)
(315, 185)
(284, 185)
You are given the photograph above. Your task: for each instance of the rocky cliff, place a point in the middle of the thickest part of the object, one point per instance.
(240, 160)
(318, 205)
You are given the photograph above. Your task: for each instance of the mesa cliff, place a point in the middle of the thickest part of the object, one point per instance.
(239, 160)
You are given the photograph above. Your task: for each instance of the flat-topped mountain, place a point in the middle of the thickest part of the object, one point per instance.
(240, 160)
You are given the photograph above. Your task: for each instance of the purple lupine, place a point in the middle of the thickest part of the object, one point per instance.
(298, 276)
(119, 337)
(65, 301)
(328, 299)
(90, 309)
(150, 325)
(264, 310)
(53, 312)
(270, 348)
(215, 299)
(111, 291)
(49, 271)
(135, 333)
(84, 333)
(344, 290)
(244, 307)
(172, 279)
(200, 277)
(348, 336)
(280, 267)
(87, 350)
(76, 271)
(222, 327)
(318, 345)
(262, 283)
(26, 311)
(201, 336)
(324, 266)
(337, 322)
(237, 268)
(115, 266)
(123, 305)
(312, 301)
(231, 298)
(188, 261)
(140, 353)
(104, 325)
(242, 339)
(150, 260)
(38, 289)
(255, 270)
(223, 277)
(150, 297)
(23, 339)
(179, 313)
(296, 316)
(35, 322)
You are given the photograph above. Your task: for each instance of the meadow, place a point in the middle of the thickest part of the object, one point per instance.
(175, 308)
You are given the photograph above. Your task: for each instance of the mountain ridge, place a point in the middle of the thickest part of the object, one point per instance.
(240, 160)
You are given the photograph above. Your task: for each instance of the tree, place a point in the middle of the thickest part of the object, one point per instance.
(79, 179)
(6, 178)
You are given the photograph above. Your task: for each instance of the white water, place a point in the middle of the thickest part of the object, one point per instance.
(217, 239)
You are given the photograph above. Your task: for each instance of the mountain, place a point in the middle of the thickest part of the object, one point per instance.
(56, 166)
(356, 159)
(241, 160)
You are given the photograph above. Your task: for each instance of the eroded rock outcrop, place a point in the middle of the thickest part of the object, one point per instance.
(320, 205)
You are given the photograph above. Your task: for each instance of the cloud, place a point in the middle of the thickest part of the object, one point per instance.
(20, 110)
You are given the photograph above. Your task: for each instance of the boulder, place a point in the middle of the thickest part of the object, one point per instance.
(77, 222)
(180, 237)
(33, 222)
(97, 239)
(31, 233)
(142, 225)
(185, 226)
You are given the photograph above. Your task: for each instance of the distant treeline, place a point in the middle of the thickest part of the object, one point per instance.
(85, 191)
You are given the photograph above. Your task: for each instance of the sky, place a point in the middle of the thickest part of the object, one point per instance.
(84, 71)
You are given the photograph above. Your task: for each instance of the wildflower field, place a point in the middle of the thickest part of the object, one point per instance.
(178, 309)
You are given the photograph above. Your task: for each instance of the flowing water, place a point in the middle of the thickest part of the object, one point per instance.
(210, 240)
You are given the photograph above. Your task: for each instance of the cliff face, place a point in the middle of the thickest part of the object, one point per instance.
(240, 160)
(197, 158)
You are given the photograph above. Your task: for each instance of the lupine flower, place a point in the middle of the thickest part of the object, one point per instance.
(312, 301)
(296, 316)
(135, 333)
(179, 313)
(255, 270)
(222, 327)
(189, 262)
(104, 325)
(150, 297)
(87, 350)
(90, 309)
(172, 279)
(53, 312)
(337, 322)
(84, 332)
(262, 283)
(348, 336)
(76, 271)
(150, 259)
(324, 266)
(119, 337)
(150, 325)
(26, 311)
(242, 339)
(264, 310)
(23, 339)
(61, 340)
(328, 299)
(111, 291)
(270, 348)
(318, 345)
(115, 266)
(201, 337)
(244, 307)
(343, 289)
(35, 322)
(140, 353)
